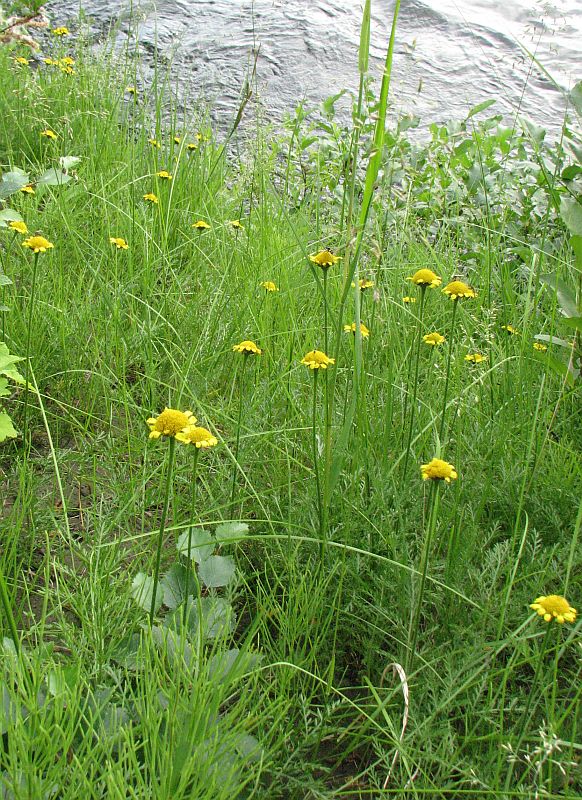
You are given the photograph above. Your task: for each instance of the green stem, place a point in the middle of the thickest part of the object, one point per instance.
(433, 512)
(27, 351)
(451, 341)
(192, 510)
(238, 427)
(8, 612)
(415, 385)
(163, 526)
(316, 467)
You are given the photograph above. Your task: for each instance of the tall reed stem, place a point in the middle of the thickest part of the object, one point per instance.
(415, 384)
(192, 511)
(27, 351)
(238, 427)
(171, 454)
(447, 378)
(320, 502)
(8, 613)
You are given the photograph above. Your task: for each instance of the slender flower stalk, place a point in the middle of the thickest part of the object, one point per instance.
(447, 376)
(168, 491)
(415, 383)
(319, 498)
(246, 348)
(8, 613)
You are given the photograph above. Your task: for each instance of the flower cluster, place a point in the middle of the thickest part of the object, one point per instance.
(181, 425)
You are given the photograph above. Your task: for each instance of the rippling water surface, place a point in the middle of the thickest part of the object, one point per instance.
(450, 54)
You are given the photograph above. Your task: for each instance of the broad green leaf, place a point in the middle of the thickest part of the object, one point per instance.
(537, 133)
(177, 584)
(544, 337)
(216, 571)
(576, 245)
(576, 97)
(4, 391)
(201, 544)
(566, 297)
(231, 531)
(12, 182)
(67, 162)
(571, 172)
(572, 322)
(217, 618)
(142, 591)
(481, 107)
(53, 177)
(7, 365)
(557, 366)
(7, 430)
(571, 213)
(231, 665)
(5, 280)
(9, 215)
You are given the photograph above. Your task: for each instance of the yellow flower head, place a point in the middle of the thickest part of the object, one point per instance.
(192, 146)
(177, 139)
(540, 346)
(458, 289)
(28, 189)
(438, 470)
(67, 61)
(48, 134)
(38, 244)
(510, 330)
(170, 422)
(150, 197)
(61, 31)
(51, 62)
(247, 348)
(364, 284)
(131, 90)
(119, 243)
(425, 277)
(316, 359)
(154, 143)
(236, 223)
(21, 60)
(554, 606)
(475, 358)
(434, 339)
(269, 286)
(324, 259)
(409, 299)
(18, 226)
(200, 225)
(164, 175)
(352, 329)
(200, 437)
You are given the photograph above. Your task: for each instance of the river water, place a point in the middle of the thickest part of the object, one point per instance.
(450, 54)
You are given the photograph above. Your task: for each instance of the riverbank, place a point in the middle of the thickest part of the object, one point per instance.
(307, 605)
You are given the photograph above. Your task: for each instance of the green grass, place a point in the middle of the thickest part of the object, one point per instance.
(292, 695)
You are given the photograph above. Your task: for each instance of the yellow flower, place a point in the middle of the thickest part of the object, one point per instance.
(269, 286)
(67, 61)
(200, 437)
(50, 62)
(408, 299)
(554, 606)
(119, 243)
(21, 60)
(177, 139)
(48, 134)
(316, 359)
(352, 329)
(539, 346)
(236, 223)
(364, 284)
(438, 470)
(458, 289)
(170, 422)
(61, 31)
(38, 244)
(425, 277)
(324, 259)
(247, 348)
(150, 198)
(18, 226)
(510, 330)
(131, 90)
(434, 339)
(191, 146)
(475, 358)
(28, 189)
(164, 174)
(154, 143)
(201, 225)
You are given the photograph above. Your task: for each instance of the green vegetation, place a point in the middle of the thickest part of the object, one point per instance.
(290, 611)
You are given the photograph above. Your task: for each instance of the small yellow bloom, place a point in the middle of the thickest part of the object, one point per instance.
(38, 244)
(540, 346)
(434, 339)
(364, 284)
(200, 225)
(67, 61)
(352, 329)
(192, 146)
(170, 422)
(438, 470)
(200, 437)
(48, 134)
(18, 226)
(324, 259)
(247, 348)
(236, 223)
(475, 358)
(131, 90)
(28, 189)
(164, 175)
(51, 62)
(150, 197)
(554, 606)
(119, 243)
(21, 60)
(510, 330)
(425, 277)
(61, 31)
(269, 286)
(154, 143)
(458, 289)
(408, 299)
(316, 359)
(177, 139)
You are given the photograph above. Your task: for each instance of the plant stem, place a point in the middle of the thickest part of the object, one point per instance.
(451, 341)
(163, 526)
(192, 509)
(8, 612)
(238, 427)
(415, 385)
(27, 351)
(316, 467)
